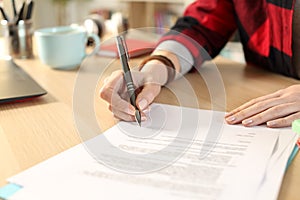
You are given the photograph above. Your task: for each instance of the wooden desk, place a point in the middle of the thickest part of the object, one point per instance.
(31, 132)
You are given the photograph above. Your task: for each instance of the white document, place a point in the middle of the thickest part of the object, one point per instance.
(271, 183)
(229, 165)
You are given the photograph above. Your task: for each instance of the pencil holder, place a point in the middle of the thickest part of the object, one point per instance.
(18, 38)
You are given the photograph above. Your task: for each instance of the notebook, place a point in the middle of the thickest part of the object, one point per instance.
(16, 84)
(135, 48)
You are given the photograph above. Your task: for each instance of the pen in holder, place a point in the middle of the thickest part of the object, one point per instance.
(18, 38)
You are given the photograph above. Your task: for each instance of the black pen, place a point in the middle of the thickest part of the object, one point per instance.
(4, 15)
(20, 14)
(14, 7)
(29, 10)
(123, 54)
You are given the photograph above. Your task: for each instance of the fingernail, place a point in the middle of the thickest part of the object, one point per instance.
(271, 123)
(144, 118)
(131, 110)
(228, 114)
(247, 122)
(147, 110)
(143, 104)
(230, 119)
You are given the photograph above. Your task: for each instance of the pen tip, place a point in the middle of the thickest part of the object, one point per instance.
(138, 117)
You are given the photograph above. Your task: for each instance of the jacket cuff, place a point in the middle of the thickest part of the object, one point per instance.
(184, 56)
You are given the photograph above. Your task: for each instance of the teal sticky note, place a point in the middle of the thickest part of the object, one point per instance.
(292, 156)
(8, 190)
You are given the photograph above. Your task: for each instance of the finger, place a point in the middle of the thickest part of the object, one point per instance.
(147, 95)
(254, 101)
(125, 116)
(253, 109)
(119, 104)
(106, 80)
(137, 78)
(138, 81)
(283, 122)
(113, 85)
(272, 113)
(115, 77)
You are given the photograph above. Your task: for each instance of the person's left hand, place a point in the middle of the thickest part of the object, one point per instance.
(278, 109)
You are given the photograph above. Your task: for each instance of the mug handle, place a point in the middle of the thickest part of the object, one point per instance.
(96, 41)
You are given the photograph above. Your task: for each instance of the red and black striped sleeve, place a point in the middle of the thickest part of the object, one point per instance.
(205, 27)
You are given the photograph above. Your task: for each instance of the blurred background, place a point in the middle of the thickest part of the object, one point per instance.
(111, 14)
(139, 12)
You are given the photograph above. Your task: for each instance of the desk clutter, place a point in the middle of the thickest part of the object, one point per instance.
(64, 47)
(15, 84)
(25, 12)
(18, 30)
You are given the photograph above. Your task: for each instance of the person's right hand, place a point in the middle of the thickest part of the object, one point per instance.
(148, 84)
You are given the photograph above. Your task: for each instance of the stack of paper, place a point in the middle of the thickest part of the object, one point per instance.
(174, 158)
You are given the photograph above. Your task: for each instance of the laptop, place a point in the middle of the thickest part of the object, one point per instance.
(16, 84)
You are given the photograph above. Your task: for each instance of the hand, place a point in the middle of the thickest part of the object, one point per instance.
(278, 109)
(149, 84)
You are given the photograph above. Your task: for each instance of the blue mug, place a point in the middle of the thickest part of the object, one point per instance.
(64, 47)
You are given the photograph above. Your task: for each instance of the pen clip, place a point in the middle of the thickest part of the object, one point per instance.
(125, 46)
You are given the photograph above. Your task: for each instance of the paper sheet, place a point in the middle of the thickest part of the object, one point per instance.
(237, 162)
(270, 185)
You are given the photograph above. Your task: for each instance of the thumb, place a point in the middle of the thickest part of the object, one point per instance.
(147, 95)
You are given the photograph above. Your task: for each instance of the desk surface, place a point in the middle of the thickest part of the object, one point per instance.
(31, 132)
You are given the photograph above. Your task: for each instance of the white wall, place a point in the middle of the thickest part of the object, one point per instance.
(45, 12)
(77, 11)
